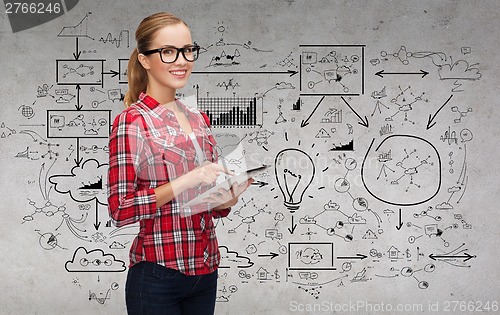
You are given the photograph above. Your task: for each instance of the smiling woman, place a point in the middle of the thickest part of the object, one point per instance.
(161, 155)
(166, 74)
(152, 34)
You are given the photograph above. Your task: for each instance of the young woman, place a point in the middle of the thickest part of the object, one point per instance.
(161, 155)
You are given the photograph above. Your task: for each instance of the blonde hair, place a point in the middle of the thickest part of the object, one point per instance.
(136, 74)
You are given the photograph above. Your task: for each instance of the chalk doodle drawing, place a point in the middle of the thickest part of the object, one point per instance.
(369, 150)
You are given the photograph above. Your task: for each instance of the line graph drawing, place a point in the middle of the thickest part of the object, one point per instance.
(81, 29)
(117, 41)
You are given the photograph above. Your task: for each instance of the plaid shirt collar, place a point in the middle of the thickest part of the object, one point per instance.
(162, 112)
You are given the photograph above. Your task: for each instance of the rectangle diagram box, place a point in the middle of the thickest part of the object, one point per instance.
(311, 256)
(122, 71)
(78, 123)
(332, 69)
(80, 72)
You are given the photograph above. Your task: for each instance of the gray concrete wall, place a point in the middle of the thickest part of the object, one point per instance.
(393, 102)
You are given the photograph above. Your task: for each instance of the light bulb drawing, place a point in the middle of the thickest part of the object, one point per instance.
(294, 171)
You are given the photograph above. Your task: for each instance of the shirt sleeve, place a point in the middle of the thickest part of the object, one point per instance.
(221, 213)
(127, 202)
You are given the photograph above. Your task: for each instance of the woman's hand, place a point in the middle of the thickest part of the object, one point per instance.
(205, 174)
(228, 198)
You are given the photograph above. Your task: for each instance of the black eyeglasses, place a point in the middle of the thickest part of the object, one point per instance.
(169, 54)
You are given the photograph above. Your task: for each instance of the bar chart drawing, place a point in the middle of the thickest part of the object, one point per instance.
(333, 115)
(231, 112)
(297, 104)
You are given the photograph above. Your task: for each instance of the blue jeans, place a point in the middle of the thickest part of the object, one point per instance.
(152, 289)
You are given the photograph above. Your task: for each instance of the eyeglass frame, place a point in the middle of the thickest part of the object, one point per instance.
(179, 50)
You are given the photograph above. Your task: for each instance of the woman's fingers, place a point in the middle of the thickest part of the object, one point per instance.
(221, 196)
(208, 172)
(221, 168)
(224, 196)
(239, 189)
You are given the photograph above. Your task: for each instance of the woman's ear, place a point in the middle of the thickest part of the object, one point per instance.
(144, 61)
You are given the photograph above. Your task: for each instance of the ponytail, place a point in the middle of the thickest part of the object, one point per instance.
(137, 79)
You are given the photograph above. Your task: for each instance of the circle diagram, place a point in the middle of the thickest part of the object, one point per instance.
(402, 170)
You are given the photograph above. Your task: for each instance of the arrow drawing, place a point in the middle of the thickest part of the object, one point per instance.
(400, 223)
(306, 122)
(97, 222)
(77, 52)
(290, 72)
(112, 72)
(363, 122)
(78, 106)
(358, 256)
(382, 72)
(293, 227)
(259, 183)
(430, 122)
(271, 254)
(465, 255)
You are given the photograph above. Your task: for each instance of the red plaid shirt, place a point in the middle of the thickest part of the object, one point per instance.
(147, 148)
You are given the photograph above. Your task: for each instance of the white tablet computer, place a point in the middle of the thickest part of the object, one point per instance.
(226, 184)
